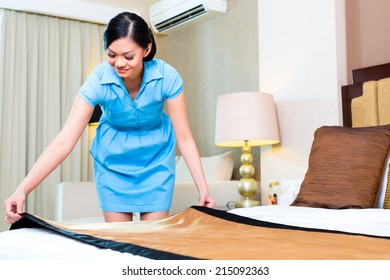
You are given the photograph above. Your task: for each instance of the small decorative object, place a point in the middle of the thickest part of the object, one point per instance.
(273, 192)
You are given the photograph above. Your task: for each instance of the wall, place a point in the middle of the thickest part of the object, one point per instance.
(302, 62)
(368, 40)
(307, 50)
(67, 9)
(215, 57)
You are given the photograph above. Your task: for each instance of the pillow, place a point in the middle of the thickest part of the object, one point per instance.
(216, 168)
(384, 189)
(345, 167)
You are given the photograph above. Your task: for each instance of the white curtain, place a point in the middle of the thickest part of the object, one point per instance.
(43, 62)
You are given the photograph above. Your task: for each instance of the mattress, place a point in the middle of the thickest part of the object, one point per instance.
(46, 244)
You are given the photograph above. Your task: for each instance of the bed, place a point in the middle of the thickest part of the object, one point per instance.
(341, 211)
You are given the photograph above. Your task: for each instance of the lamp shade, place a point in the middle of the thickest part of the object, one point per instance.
(246, 116)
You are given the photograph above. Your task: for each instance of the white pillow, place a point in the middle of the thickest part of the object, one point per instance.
(216, 168)
(382, 187)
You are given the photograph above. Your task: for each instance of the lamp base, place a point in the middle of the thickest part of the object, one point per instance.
(246, 203)
(247, 186)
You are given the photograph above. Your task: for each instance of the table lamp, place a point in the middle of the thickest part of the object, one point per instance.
(246, 119)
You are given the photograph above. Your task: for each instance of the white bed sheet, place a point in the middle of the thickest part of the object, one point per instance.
(42, 244)
(371, 221)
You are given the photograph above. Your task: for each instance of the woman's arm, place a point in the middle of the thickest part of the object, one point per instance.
(178, 114)
(52, 156)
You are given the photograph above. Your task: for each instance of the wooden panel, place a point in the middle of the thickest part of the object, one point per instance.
(359, 76)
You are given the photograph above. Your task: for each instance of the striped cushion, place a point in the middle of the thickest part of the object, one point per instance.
(345, 167)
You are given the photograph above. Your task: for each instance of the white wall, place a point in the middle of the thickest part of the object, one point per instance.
(67, 9)
(302, 62)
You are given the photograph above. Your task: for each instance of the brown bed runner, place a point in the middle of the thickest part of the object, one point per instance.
(202, 233)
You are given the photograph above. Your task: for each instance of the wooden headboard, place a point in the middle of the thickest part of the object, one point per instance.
(359, 76)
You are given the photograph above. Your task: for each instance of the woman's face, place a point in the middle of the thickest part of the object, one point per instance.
(125, 56)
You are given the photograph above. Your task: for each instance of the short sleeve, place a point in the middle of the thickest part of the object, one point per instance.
(91, 90)
(173, 83)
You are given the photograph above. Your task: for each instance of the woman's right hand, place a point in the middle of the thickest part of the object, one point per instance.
(13, 207)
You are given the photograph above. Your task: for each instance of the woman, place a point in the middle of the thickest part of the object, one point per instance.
(133, 149)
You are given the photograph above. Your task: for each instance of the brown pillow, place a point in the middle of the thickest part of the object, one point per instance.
(345, 167)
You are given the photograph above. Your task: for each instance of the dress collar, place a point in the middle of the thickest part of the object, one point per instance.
(151, 71)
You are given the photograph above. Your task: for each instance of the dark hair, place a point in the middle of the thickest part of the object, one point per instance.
(130, 25)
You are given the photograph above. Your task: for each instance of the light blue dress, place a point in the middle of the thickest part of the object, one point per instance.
(133, 150)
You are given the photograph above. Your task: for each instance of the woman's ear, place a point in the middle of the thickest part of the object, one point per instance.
(147, 50)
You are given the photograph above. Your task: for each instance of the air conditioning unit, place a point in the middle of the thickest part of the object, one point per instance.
(167, 16)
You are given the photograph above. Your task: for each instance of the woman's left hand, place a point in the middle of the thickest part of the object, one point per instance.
(206, 200)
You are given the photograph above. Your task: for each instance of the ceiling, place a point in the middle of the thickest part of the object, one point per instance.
(136, 5)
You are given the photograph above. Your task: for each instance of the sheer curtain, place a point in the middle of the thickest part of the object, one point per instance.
(43, 62)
